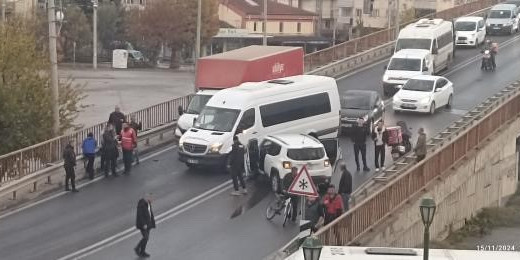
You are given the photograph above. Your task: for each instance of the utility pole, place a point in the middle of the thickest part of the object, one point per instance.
(319, 10)
(4, 6)
(264, 25)
(54, 67)
(197, 41)
(94, 30)
(397, 20)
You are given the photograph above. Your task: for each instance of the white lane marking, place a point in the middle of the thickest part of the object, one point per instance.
(160, 218)
(98, 178)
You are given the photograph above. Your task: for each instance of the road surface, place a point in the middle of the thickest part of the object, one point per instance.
(197, 218)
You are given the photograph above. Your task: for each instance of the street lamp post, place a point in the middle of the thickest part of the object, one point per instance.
(197, 41)
(264, 25)
(427, 209)
(312, 248)
(94, 30)
(53, 56)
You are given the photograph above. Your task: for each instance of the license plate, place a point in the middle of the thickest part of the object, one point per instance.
(193, 161)
(408, 105)
(496, 28)
(348, 125)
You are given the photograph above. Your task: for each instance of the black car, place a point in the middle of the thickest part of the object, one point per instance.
(361, 103)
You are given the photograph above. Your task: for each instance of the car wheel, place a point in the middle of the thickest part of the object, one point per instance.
(450, 101)
(432, 108)
(275, 181)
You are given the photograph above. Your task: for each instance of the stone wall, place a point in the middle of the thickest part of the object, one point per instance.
(483, 179)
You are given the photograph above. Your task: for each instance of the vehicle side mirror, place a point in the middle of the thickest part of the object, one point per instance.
(425, 68)
(399, 86)
(181, 110)
(435, 51)
(438, 90)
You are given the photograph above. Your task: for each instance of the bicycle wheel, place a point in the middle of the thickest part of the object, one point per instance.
(287, 212)
(270, 211)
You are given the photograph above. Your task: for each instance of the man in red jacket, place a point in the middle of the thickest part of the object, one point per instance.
(333, 205)
(128, 143)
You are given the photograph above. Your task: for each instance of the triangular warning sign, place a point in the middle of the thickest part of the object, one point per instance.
(303, 185)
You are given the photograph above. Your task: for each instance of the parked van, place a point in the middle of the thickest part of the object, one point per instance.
(470, 31)
(304, 104)
(434, 35)
(502, 18)
(404, 65)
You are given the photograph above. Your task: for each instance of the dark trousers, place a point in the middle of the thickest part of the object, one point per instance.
(90, 164)
(127, 159)
(103, 160)
(380, 155)
(346, 198)
(294, 202)
(420, 157)
(363, 149)
(141, 247)
(237, 176)
(70, 175)
(110, 164)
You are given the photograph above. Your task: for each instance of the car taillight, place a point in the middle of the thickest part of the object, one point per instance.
(286, 165)
(326, 163)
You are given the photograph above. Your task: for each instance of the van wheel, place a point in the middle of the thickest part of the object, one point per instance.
(275, 181)
(432, 108)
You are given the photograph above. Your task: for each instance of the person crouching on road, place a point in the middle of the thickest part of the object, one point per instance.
(420, 147)
(137, 127)
(144, 221)
(345, 186)
(286, 185)
(109, 151)
(380, 137)
(69, 158)
(89, 152)
(333, 205)
(236, 161)
(128, 143)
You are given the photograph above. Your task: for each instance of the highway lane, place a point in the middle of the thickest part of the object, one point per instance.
(69, 223)
(249, 235)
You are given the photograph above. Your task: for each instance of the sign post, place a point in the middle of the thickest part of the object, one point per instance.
(303, 186)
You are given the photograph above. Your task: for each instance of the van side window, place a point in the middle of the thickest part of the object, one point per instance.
(445, 39)
(294, 109)
(248, 119)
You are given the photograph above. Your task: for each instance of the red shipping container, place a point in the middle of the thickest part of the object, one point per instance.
(250, 64)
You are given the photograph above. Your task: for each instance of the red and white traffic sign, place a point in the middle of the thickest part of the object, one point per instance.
(303, 185)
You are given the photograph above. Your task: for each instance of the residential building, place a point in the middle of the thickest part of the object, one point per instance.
(131, 4)
(24, 8)
(424, 7)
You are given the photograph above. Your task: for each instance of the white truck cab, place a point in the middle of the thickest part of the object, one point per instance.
(188, 117)
(406, 64)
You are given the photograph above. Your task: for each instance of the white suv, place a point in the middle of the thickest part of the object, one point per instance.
(279, 153)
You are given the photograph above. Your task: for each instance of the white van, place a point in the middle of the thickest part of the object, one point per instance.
(303, 104)
(403, 65)
(502, 18)
(434, 35)
(470, 31)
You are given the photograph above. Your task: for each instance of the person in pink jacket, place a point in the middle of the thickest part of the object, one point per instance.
(128, 143)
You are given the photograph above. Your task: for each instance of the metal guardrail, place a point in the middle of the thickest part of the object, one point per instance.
(449, 147)
(24, 162)
(347, 49)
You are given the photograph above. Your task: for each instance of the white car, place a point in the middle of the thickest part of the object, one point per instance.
(279, 153)
(424, 94)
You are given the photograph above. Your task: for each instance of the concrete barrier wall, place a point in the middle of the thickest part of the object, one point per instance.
(482, 179)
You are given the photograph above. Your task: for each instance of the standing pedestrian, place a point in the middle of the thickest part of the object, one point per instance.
(144, 221)
(359, 136)
(128, 143)
(236, 161)
(117, 119)
(333, 205)
(110, 151)
(89, 152)
(69, 163)
(345, 186)
(287, 180)
(380, 137)
(137, 127)
(420, 147)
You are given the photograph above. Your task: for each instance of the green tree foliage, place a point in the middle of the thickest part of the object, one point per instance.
(110, 24)
(25, 94)
(173, 23)
(76, 28)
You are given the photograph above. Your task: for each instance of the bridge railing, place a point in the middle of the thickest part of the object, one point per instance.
(450, 147)
(29, 160)
(349, 48)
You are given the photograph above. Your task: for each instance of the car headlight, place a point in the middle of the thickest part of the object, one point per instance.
(181, 142)
(215, 148)
(385, 77)
(488, 24)
(365, 118)
(509, 23)
(425, 100)
(396, 99)
(286, 165)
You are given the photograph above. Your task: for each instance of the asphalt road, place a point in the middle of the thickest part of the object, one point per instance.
(197, 218)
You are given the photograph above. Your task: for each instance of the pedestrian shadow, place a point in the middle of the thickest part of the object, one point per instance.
(258, 191)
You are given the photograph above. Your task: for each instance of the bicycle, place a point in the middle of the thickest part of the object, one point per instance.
(282, 204)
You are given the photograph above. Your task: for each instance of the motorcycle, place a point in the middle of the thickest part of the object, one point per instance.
(399, 140)
(487, 63)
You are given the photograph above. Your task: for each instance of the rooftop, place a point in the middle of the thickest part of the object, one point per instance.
(252, 52)
(256, 7)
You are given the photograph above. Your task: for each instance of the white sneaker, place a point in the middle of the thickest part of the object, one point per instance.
(244, 191)
(235, 193)
(383, 169)
(377, 169)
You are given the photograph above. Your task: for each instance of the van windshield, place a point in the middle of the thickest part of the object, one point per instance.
(217, 119)
(405, 64)
(423, 44)
(465, 26)
(197, 104)
(500, 14)
(306, 154)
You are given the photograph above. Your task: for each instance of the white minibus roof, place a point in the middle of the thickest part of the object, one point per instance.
(411, 54)
(426, 29)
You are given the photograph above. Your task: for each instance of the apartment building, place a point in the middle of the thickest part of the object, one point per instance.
(24, 8)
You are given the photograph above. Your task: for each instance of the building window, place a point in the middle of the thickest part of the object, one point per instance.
(358, 12)
(299, 27)
(327, 24)
(375, 13)
(254, 26)
(281, 26)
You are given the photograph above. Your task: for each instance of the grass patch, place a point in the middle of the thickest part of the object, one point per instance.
(483, 223)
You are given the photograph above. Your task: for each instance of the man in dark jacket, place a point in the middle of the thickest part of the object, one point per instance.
(144, 221)
(69, 162)
(137, 127)
(345, 185)
(110, 151)
(89, 152)
(315, 213)
(359, 136)
(286, 184)
(236, 161)
(117, 118)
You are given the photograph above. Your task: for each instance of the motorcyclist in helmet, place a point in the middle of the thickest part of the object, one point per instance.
(488, 45)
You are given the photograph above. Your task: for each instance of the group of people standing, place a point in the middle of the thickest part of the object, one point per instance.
(118, 133)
